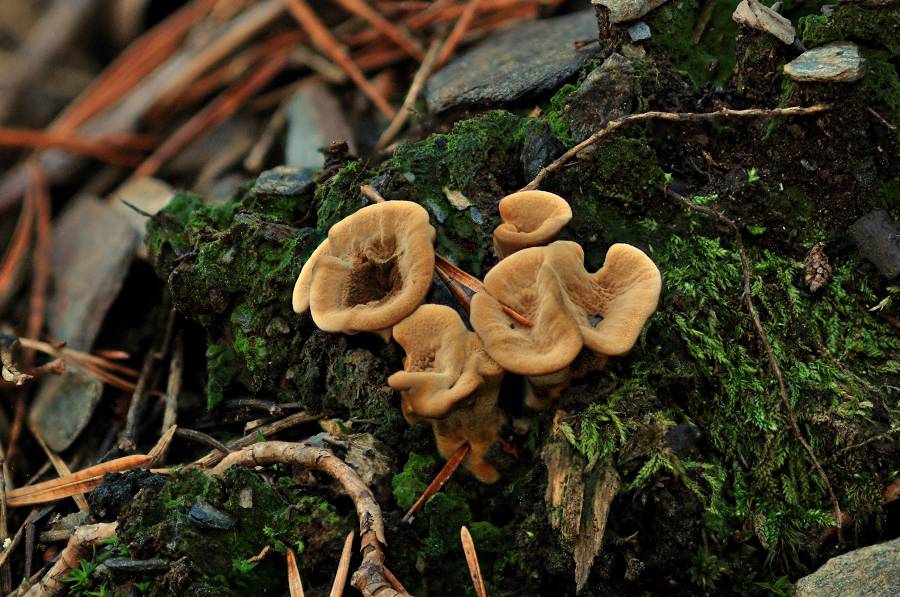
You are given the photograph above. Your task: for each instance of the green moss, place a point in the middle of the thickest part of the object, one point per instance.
(409, 484)
(158, 525)
(340, 196)
(712, 58)
(478, 158)
(872, 26)
(555, 111)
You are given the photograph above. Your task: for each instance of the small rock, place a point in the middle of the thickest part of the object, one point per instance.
(817, 271)
(315, 120)
(837, 62)
(532, 58)
(639, 31)
(245, 498)
(628, 10)
(64, 405)
(457, 199)
(284, 180)
(131, 566)
(869, 571)
(604, 95)
(633, 52)
(209, 517)
(878, 241)
(117, 491)
(755, 15)
(539, 148)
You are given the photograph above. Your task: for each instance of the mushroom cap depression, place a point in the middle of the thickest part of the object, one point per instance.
(445, 363)
(374, 269)
(530, 219)
(551, 288)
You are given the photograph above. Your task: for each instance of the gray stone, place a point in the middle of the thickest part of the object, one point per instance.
(628, 10)
(315, 120)
(605, 94)
(284, 180)
(539, 149)
(93, 247)
(639, 31)
(837, 62)
(878, 241)
(64, 405)
(209, 517)
(872, 571)
(531, 58)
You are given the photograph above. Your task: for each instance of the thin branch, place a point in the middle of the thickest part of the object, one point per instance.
(77, 548)
(369, 578)
(610, 127)
(766, 345)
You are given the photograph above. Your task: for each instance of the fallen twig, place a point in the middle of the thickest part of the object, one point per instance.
(764, 341)
(82, 539)
(343, 569)
(439, 480)
(472, 562)
(412, 95)
(369, 578)
(610, 127)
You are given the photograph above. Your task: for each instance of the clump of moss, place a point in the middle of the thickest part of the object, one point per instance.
(477, 158)
(158, 525)
(340, 196)
(873, 26)
(409, 484)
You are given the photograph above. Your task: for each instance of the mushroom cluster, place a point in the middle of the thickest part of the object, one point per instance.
(539, 313)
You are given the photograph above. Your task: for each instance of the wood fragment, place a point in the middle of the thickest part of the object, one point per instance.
(610, 127)
(294, 583)
(77, 548)
(439, 480)
(343, 569)
(325, 41)
(472, 562)
(173, 386)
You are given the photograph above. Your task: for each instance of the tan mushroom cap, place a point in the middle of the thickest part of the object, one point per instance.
(528, 283)
(449, 380)
(530, 219)
(551, 288)
(374, 269)
(624, 293)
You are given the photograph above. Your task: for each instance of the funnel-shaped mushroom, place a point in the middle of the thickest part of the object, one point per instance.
(449, 380)
(374, 269)
(569, 307)
(530, 219)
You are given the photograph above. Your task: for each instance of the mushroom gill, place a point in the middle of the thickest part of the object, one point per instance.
(374, 269)
(530, 219)
(450, 381)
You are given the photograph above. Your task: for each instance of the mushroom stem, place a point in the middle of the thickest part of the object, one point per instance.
(439, 480)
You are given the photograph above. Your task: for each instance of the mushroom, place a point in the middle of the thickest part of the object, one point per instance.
(450, 381)
(374, 269)
(569, 308)
(530, 219)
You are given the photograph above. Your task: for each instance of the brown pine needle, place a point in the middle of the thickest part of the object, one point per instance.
(78, 482)
(219, 110)
(325, 41)
(412, 95)
(472, 561)
(463, 299)
(405, 41)
(475, 285)
(439, 480)
(34, 139)
(14, 256)
(61, 467)
(294, 582)
(395, 582)
(343, 570)
(462, 25)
